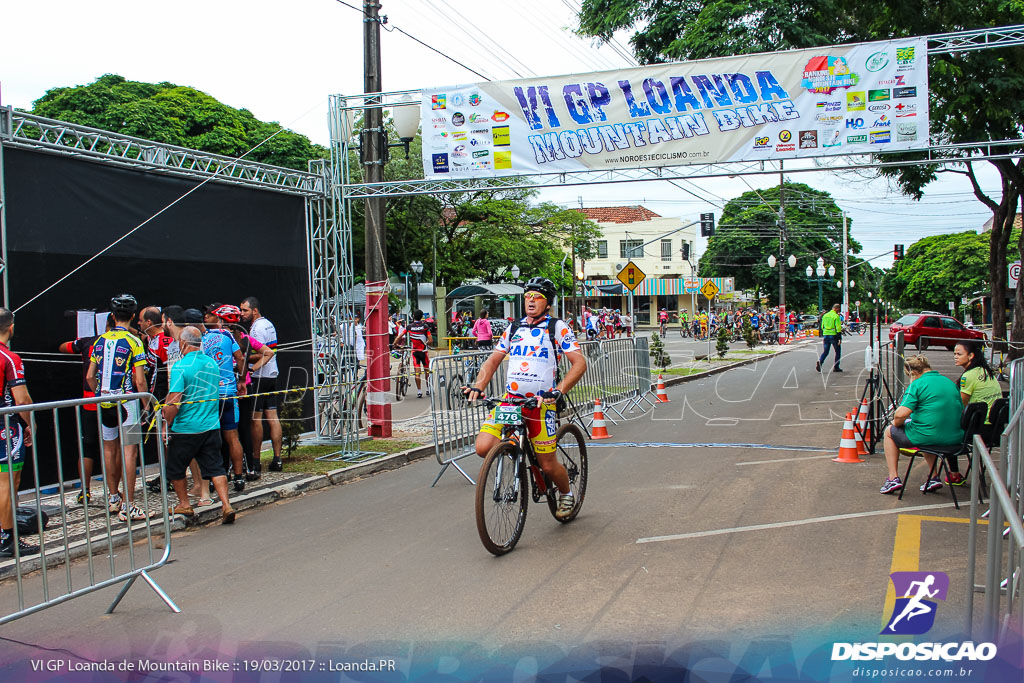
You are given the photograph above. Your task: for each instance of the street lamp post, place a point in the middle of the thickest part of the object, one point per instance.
(782, 281)
(417, 269)
(820, 272)
(517, 312)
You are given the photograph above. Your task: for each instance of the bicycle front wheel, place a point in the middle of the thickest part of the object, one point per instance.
(402, 382)
(571, 451)
(501, 499)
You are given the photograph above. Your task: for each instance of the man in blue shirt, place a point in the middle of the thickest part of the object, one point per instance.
(221, 346)
(192, 421)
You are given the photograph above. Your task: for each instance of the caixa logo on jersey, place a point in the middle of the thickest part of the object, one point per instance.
(913, 614)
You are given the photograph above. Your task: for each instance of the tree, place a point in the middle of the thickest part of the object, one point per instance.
(748, 233)
(722, 342)
(176, 115)
(975, 96)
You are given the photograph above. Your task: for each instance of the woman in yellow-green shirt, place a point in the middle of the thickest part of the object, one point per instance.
(977, 384)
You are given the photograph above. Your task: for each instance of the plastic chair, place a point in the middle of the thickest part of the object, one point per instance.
(971, 421)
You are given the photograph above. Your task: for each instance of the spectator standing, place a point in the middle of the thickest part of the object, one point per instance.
(265, 380)
(192, 423)
(12, 449)
(627, 324)
(832, 336)
(482, 331)
(116, 368)
(90, 425)
(219, 345)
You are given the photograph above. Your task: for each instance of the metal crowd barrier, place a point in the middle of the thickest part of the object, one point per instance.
(1003, 608)
(618, 373)
(1016, 384)
(62, 436)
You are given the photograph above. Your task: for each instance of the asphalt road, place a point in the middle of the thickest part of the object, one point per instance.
(676, 543)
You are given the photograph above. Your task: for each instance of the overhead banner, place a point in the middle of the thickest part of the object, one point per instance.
(857, 99)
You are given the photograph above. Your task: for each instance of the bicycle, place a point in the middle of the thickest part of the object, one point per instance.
(684, 330)
(456, 400)
(402, 376)
(501, 500)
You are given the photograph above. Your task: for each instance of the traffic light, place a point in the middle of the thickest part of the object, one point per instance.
(897, 252)
(686, 251)
(707, 224)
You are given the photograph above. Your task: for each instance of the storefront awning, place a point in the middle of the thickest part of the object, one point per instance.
(500, 289)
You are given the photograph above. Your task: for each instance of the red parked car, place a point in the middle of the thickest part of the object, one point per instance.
(922, 329)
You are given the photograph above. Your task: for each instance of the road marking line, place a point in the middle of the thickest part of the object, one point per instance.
(769, 462)
(797, 522)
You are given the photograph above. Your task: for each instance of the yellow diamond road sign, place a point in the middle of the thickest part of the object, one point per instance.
(631, 276)
(709, 289)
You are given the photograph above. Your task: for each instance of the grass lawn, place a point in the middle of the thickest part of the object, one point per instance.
(303, 458)
(683, 371)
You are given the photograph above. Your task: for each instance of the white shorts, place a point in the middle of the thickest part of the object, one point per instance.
(131, 428)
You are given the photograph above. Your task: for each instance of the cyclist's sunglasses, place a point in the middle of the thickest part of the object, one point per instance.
(534, 295)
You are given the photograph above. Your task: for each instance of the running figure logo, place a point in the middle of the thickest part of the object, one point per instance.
(916, 592)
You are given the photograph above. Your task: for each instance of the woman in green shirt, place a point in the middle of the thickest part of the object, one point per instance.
(977, 384)
(935, 404)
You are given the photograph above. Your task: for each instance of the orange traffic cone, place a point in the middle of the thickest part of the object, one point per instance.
(848, 444)
(862, 418)
(862, 448)
(597, 428)
(661, 395)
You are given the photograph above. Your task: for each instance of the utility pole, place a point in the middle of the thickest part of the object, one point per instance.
(782, 247)
(846, 271)
(373, 146)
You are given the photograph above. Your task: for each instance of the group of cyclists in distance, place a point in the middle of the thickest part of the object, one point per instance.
(764, 324)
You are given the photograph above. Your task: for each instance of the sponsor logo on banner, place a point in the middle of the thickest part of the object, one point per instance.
(828, 118)
(905, 58)
(481, 153)
(459, 135)
(458, 100)
(878, 95)
(437, 101)
(480, 131)
(474, 99)
(474, 142)
(834, 139)
(856, 139)
(787, 147)
(879, 136)
(762, 142)
(879, 107)
(458, 119)
(501, 136)
(855, 123)
(882, 121)
(499, 116)
(901, 93)
(899, 80)
(828, 105)
(440, 163)
(906, 131)
(855, 101)
(439, 121)
(825, 74)
(481, 165)
(877, 61)
(503, 159)
(904, 110)
(785, 136)
(459, 151)
(478, 118)
(808, 139)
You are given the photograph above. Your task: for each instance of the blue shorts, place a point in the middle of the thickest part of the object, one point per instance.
(16, 461)
(229, 413)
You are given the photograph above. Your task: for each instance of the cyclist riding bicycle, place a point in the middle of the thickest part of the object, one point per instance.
(662, 320)
(534, 345)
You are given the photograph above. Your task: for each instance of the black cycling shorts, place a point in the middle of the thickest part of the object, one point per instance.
(262, 385)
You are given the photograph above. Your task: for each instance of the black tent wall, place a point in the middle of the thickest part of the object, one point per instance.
(221, 243)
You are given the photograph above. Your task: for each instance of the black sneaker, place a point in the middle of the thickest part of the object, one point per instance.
(837, 369)
(239, 482)
(275, 465)
(817, 365)
(24, 549)
(154, 484)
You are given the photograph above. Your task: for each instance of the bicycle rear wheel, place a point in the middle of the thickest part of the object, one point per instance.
(571, 451)
(402, 382)
(501, 499)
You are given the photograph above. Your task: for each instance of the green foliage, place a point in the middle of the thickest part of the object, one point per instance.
(176, 115)
(657, 352)
(291, 423)
(722, 342)
(939, 269)
(748, 233)
(749, 334)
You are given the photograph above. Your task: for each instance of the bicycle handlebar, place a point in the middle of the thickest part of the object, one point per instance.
(531, 402)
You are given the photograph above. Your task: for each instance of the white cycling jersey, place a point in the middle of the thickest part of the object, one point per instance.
(531, 359)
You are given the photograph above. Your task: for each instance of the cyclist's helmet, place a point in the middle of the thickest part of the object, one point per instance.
(124, 303)
(228, 313)
(542, 285)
